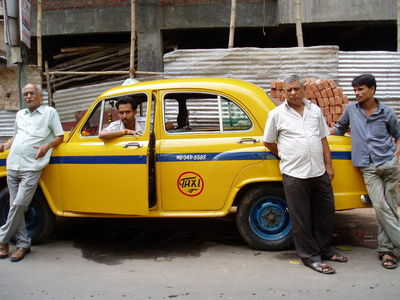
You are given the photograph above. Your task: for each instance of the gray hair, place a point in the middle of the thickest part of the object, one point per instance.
(294, 77)
(38, 88)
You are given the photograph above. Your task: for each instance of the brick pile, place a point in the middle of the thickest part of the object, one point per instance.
(324, 93)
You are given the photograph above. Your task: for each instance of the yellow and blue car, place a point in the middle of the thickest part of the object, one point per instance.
(200, 155)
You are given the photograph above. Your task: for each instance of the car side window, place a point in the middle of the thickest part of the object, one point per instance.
(91, 127)
(233, 117)
(106, 112)
(202, 112)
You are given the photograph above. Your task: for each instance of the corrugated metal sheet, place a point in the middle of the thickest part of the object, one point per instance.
(384, 65)
(69, 101)
(75, 99)
(256, 65)
(7, 118)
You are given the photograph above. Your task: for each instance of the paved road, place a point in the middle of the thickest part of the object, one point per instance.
(191, 259)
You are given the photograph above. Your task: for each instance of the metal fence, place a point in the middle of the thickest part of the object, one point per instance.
(384, 65)
(257, 65)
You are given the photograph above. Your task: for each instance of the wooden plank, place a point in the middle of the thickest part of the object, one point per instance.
(88, 58)
(82, 48)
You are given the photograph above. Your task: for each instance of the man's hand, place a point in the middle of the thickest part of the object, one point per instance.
(111, 134)
(42, 150)
(6, 145)
(330, 172)
(332, 131)
(132, 132)
(397, 152)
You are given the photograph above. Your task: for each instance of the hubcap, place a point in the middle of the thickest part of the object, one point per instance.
(269, 218)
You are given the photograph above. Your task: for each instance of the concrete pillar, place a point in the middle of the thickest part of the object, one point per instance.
(150, 51)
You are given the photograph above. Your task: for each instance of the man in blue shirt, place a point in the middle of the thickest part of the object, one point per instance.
(375, 133)
(37, 130)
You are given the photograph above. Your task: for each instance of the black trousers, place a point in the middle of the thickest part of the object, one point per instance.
(312, 212)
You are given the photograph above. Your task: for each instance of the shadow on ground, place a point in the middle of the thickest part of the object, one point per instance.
(110, 241)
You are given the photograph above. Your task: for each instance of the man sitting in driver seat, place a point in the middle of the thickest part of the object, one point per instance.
(128, 123)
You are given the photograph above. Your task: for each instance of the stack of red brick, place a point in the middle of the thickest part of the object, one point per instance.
(325, 93)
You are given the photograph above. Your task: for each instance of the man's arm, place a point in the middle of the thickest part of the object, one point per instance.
(6, 145)
(273, 147)
(332, 131)
(327, 158)
(110, 134)
(271, 134)
(42, 149)
(394, 129)
(397, 152)
(341, 126)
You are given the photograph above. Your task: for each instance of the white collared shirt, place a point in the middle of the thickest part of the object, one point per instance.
(298, 139)
(33, 129)
(119, 125)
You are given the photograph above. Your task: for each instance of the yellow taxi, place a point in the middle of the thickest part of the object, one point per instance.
(200, 155)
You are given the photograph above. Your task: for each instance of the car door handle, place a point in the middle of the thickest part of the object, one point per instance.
(248, 140)
(133, 144)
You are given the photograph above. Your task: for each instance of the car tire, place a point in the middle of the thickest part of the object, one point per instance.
(263, 219)
(40, 220)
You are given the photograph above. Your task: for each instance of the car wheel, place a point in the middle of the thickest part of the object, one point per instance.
(39, 219)
(263, 219)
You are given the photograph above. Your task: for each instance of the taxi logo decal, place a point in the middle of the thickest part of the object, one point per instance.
(190, 184)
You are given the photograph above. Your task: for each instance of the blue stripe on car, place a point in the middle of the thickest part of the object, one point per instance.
(172, 157)
(341, 155)
(99, 160)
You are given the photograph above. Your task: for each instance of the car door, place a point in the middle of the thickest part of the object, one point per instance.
(106, 176)
(206, 140)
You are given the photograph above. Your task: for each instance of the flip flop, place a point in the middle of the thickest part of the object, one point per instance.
(336, 258)
(392, 260)
(321, 267)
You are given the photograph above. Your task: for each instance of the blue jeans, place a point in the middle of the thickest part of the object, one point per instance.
(382, 185)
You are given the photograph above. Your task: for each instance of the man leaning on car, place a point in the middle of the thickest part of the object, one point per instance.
(296, 132)
(37, 129)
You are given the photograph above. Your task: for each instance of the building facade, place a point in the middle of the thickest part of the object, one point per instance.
(165, 25)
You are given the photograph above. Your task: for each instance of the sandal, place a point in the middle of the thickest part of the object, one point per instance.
(336, 258)
(321, 267)
(388, 263)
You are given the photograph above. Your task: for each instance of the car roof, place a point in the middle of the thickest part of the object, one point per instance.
(250, 95)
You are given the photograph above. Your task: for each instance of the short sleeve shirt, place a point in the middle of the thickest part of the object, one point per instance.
(298, 139)
(33, 129)
(119, 125)
(371, 136)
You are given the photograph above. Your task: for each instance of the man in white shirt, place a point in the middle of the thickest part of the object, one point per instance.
(128, 123)
(296, 132)
(37, 130)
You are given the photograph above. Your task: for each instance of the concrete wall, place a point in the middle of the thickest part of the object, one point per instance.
(316, 11)
(9, 97)
(85, 16)
(153, 16)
